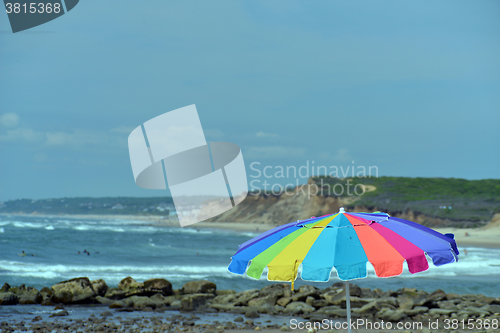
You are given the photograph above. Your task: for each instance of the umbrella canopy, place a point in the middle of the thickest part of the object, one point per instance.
(346, 241)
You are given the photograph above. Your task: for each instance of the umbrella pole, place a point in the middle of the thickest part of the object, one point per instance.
(348, 305)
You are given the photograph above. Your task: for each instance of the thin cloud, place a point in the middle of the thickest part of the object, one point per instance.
(274, 152)
(266, 135)
(73, 140)
(340, 155)
(9, 119)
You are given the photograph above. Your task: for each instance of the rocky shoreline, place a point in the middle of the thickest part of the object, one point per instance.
(307, 302)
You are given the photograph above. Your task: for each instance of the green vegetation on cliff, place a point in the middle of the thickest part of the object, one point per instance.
(447, 198)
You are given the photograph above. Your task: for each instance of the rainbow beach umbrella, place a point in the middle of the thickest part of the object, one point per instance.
(346, 241)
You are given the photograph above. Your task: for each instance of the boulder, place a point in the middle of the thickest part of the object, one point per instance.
(78, 290)
(193, 301)
(104, 300)
(117, 305)
(319, 303)
(354, 290)
(492, 308)
(131, 286)
(29, 295)
(305, 292)
(225, 292)
(252, 313)
(168, 300)
(333, 310)
(142, 302)
(449, 305)
(368, 293)
(416, 311)
(5, 288)
(199, 287)
(431, 300)
(391, 315)
(46, 294)
(372, 307)
(115, 294)
(340, 299)
(437, 311)
(8, 298)
(243, 297)
(269, 300)
(298, 308)
(224, 299)
(406, 303)
(277, 290)
(155, 286)
(472, 311)
(283, 301)
(100, 287)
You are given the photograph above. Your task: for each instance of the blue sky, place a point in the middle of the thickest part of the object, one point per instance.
(412, 88)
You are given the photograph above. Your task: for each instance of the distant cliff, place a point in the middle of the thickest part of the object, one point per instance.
(435, 202)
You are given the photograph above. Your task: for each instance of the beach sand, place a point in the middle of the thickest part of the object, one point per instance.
(488, 236)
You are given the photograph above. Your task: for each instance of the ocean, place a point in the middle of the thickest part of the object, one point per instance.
(54, 249)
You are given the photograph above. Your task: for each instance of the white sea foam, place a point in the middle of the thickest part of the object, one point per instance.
(84, 227)
(1, 230)
(49, 227)
(19, 224)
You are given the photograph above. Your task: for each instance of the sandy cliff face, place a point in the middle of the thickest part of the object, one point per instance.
(300, 205)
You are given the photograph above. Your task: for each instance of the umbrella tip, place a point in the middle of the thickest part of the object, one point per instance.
(341, 210)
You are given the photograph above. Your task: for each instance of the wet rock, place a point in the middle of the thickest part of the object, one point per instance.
(431, 300)
(37, 318)
(25, 295)
(449, 305)
(8, 298)
(252, 313)
(492, 308)
(298, 307)
(283, 301)
(193, 301)
(224, 299)
(354, 290)
(319, 303)
(471, 311)
(335, 310)
(239, 319)
(117, 305)
(391, 315)
(5, 288)
(372, 307)
(104, 300)
(225, 292)
(199, 287)
(78, 290)
(130, 286)
(416, 311)
(46, 293)
(154, 286)
(115, 294)
(61, 313)
(141, 302)
(304, 292)
(175, 305)
(243, 297)
(269, 300)
(100, 287)
(275, 290)
(106, 314)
